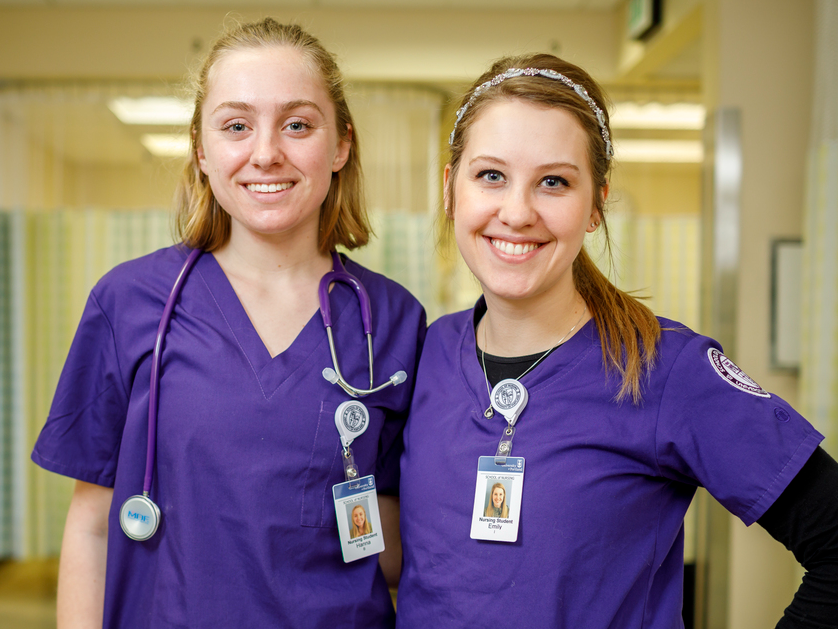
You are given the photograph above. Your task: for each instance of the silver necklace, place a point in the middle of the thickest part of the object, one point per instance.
(490, 412)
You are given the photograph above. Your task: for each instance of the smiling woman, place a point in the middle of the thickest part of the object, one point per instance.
(614, 416)
(245, 448)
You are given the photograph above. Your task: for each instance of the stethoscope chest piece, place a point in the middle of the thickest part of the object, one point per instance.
(139, 518)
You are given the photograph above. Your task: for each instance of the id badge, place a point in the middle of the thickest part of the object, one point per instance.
(359, 523)
(497, 499)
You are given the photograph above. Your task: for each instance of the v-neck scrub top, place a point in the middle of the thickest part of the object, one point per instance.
(247, 448)
(606, 484)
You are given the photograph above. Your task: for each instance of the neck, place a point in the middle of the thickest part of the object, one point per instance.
(261, 258)
(511, 328)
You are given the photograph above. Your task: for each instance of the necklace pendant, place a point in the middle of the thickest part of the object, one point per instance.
(489, 413)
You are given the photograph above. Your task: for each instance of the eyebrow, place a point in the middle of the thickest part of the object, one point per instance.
(284, 107)
(496, 160)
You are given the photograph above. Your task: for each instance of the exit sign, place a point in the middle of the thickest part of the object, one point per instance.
(643, 17)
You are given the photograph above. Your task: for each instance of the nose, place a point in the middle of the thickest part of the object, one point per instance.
(517, 209)
(267, 149)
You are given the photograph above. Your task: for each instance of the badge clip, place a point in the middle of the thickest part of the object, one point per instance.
(505, 445)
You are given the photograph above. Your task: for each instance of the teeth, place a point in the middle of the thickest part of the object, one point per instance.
(512, 249)
(264, 187)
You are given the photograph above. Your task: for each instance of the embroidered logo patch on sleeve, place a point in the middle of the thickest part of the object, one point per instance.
(733, 375)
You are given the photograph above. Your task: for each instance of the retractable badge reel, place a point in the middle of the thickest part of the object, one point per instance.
(351, 419)
(509, 398)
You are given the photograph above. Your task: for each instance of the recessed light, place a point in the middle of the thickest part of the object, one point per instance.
(166, 144)
(152, 110)
(688, 116)
(659, 151)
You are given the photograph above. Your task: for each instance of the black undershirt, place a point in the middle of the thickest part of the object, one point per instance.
(804, 518)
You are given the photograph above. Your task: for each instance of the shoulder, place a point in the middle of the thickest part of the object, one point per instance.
(448, 330)
(452, 323)
(149, 277)
(691, 360)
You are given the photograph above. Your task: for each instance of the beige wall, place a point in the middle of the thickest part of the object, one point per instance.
(759, 56)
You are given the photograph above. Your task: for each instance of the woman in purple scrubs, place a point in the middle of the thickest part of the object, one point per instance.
(599, 419)
(247, 450)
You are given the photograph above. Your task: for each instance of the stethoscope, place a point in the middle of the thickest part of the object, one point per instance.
(139, 516)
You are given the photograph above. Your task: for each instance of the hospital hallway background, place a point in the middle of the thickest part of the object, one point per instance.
(723, 208)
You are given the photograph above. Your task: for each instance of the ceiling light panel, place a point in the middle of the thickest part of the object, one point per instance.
(166, 144)
(660, 151)
(687, 116)
(152, 110)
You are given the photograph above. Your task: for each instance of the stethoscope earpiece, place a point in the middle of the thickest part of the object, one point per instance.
(139, 518)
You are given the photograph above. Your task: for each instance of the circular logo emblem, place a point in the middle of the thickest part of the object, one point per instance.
(733, 375)
(507, 396)
(354, 418)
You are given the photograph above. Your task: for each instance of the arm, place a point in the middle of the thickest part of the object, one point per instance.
(81, 573)
(391, 559)
(805, 520)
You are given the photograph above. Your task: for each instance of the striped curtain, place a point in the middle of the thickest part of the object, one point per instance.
(399, 130)
(50, 261)
(655, 257)
(819, 350)
(55, 244)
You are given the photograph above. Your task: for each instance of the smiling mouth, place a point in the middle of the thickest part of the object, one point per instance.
(513, 249)
(269, 187)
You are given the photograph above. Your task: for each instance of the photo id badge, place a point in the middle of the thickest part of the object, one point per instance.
(497, 499)
(359, 524)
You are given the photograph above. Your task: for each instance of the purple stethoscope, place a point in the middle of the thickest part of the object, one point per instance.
(139, 516)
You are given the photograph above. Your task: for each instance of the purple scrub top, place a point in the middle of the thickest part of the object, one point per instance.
(247, 449)
(606, 484)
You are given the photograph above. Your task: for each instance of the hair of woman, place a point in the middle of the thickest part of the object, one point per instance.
(367, 528)
(490, 508)
(200, 221)
(628, 330)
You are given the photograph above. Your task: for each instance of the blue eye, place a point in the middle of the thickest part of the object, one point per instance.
(297, 126)
(492, 176)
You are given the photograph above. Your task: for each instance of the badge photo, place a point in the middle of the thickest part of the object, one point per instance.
(497, 499)
(359, 521)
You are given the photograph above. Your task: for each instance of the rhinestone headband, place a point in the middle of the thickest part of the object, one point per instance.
(549, 74)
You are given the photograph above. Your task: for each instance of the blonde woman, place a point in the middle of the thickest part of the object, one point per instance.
(497, 507)
(625, 416)
(360, 524)
(246, 449)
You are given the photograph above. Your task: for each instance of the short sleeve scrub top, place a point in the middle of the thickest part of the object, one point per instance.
(606, 485)
(247, 449)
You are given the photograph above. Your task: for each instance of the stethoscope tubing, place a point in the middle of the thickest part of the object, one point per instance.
(141, 523)
(154, 386)
(334, 375)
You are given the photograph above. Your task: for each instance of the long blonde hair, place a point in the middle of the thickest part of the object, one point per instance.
(201, 222)
(628, 330)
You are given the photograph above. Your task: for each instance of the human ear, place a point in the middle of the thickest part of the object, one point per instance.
(596, 215)
(344, 146)
(446, 191)
(199, 152)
